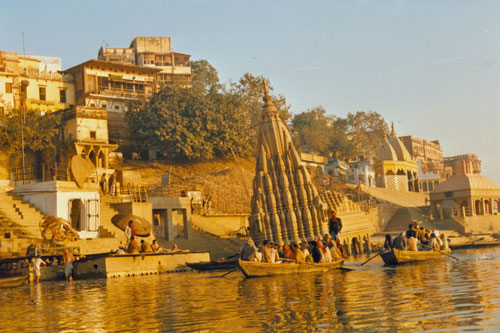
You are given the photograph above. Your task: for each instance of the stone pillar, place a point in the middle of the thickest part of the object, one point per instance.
(188, 230)
(168, 225)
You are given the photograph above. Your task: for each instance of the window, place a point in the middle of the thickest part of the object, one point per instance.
(117, 107)
(92, 135)
(8, 87)
(42, 92)
(62, 95)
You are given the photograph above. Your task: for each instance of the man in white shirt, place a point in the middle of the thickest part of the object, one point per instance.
(36, 267)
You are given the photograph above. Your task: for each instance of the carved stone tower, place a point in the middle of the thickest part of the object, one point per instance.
(286, 206)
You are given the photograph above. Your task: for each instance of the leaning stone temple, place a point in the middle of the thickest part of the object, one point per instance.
(286, 205)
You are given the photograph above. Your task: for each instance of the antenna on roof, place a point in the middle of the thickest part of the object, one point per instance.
(24, 50)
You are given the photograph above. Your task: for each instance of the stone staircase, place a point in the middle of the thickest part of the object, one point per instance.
(107, 229)
(400, 198)
(22, 217)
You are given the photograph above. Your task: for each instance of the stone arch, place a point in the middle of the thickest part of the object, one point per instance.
(401, 172)
(101, 160)
(76, 208)
(487, 207)
(93, 157)
(389, 173)
(424, 186)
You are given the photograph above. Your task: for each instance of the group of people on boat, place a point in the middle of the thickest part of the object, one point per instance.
(315, 251)
(417, 239)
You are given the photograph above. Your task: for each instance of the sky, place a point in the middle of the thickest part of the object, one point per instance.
(432, 67)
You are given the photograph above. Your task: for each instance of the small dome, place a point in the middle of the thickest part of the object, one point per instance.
(386, 152)
(399, 148)
(465, 182)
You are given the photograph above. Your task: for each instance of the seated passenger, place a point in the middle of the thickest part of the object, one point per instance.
(156, 247)
(248, 250)
(316, 253)
(298, 256)
(412, 244)
(433, 243)
(145, 247)
(133, 247)
(287, 251)
(444, 242)
(399, 242)
(340, 248)
(267, 253)
(388, 242)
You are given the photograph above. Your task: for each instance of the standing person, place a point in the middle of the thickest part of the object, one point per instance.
(112, 185)
(68, 260)
(129, 231)
(334, 225)
(37, 263)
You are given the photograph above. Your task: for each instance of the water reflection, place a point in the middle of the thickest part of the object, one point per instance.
(439, 295)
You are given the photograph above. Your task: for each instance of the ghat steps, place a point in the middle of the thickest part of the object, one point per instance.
(22, 217)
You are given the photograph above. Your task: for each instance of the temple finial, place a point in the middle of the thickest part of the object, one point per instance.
(393, 132)
(266, 92)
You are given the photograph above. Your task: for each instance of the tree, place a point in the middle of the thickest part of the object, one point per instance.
(249, 90)
(313, 130)
(40, 133)
(366, 131)
(205, 77)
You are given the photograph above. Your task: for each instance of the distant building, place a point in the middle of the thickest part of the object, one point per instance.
(460, 164)
(112, 86)
(35, 82)
(395, 169)
(153, 52)
(429, 157)
(362, 172)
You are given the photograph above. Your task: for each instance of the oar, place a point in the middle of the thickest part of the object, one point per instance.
(371, 258)
(227, 273)
(446, 254)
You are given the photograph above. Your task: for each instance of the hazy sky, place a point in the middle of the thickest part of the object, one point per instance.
(431, 66)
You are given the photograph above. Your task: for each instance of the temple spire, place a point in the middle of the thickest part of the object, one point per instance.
(393, 132)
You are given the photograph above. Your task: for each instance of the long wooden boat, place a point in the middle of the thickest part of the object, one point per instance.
(214, 265)
(257, 269)
(15, 281)
(396, 257)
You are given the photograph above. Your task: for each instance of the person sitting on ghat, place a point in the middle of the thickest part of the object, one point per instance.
(399, 242)
(145, 247)
(267, 253)
(388, 243)
(412, 244)
(156, 247)
(174, 248)
(133, 247)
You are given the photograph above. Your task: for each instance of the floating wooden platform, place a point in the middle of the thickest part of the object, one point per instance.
(257, 269)
(119, 265)
(397, 257)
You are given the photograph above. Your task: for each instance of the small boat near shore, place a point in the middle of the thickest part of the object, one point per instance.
(258, 269)
(215, 265)
(397, 257)
(14, 281)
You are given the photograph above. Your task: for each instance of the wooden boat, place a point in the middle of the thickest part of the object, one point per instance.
(397, 257)
(214, 265)
(15, 281)
(256, 269)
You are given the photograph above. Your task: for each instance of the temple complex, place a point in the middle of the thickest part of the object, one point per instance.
(286, 205)
(395, 169)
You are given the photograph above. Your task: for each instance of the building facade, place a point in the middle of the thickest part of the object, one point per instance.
(34, 82)
(455, 165)
(153, 52)
(112, 86)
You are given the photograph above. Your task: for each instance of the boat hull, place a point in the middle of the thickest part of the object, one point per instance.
(13, 281)
(258, 269)
(397, 257)
(213, 265)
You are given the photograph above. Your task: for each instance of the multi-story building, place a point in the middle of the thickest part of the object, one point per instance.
(153, 52)
(467, 163)
(35, 82)
(112, 86)
(429, 157)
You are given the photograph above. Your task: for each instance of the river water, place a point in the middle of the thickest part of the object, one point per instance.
(438, 295)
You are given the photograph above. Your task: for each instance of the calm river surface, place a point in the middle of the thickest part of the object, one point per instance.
(438, 295)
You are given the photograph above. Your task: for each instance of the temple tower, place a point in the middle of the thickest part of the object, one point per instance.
(286, 206)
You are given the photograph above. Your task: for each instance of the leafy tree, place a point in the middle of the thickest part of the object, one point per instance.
(313, 130)
(366, 132)
(40, 132)
(205, 77)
